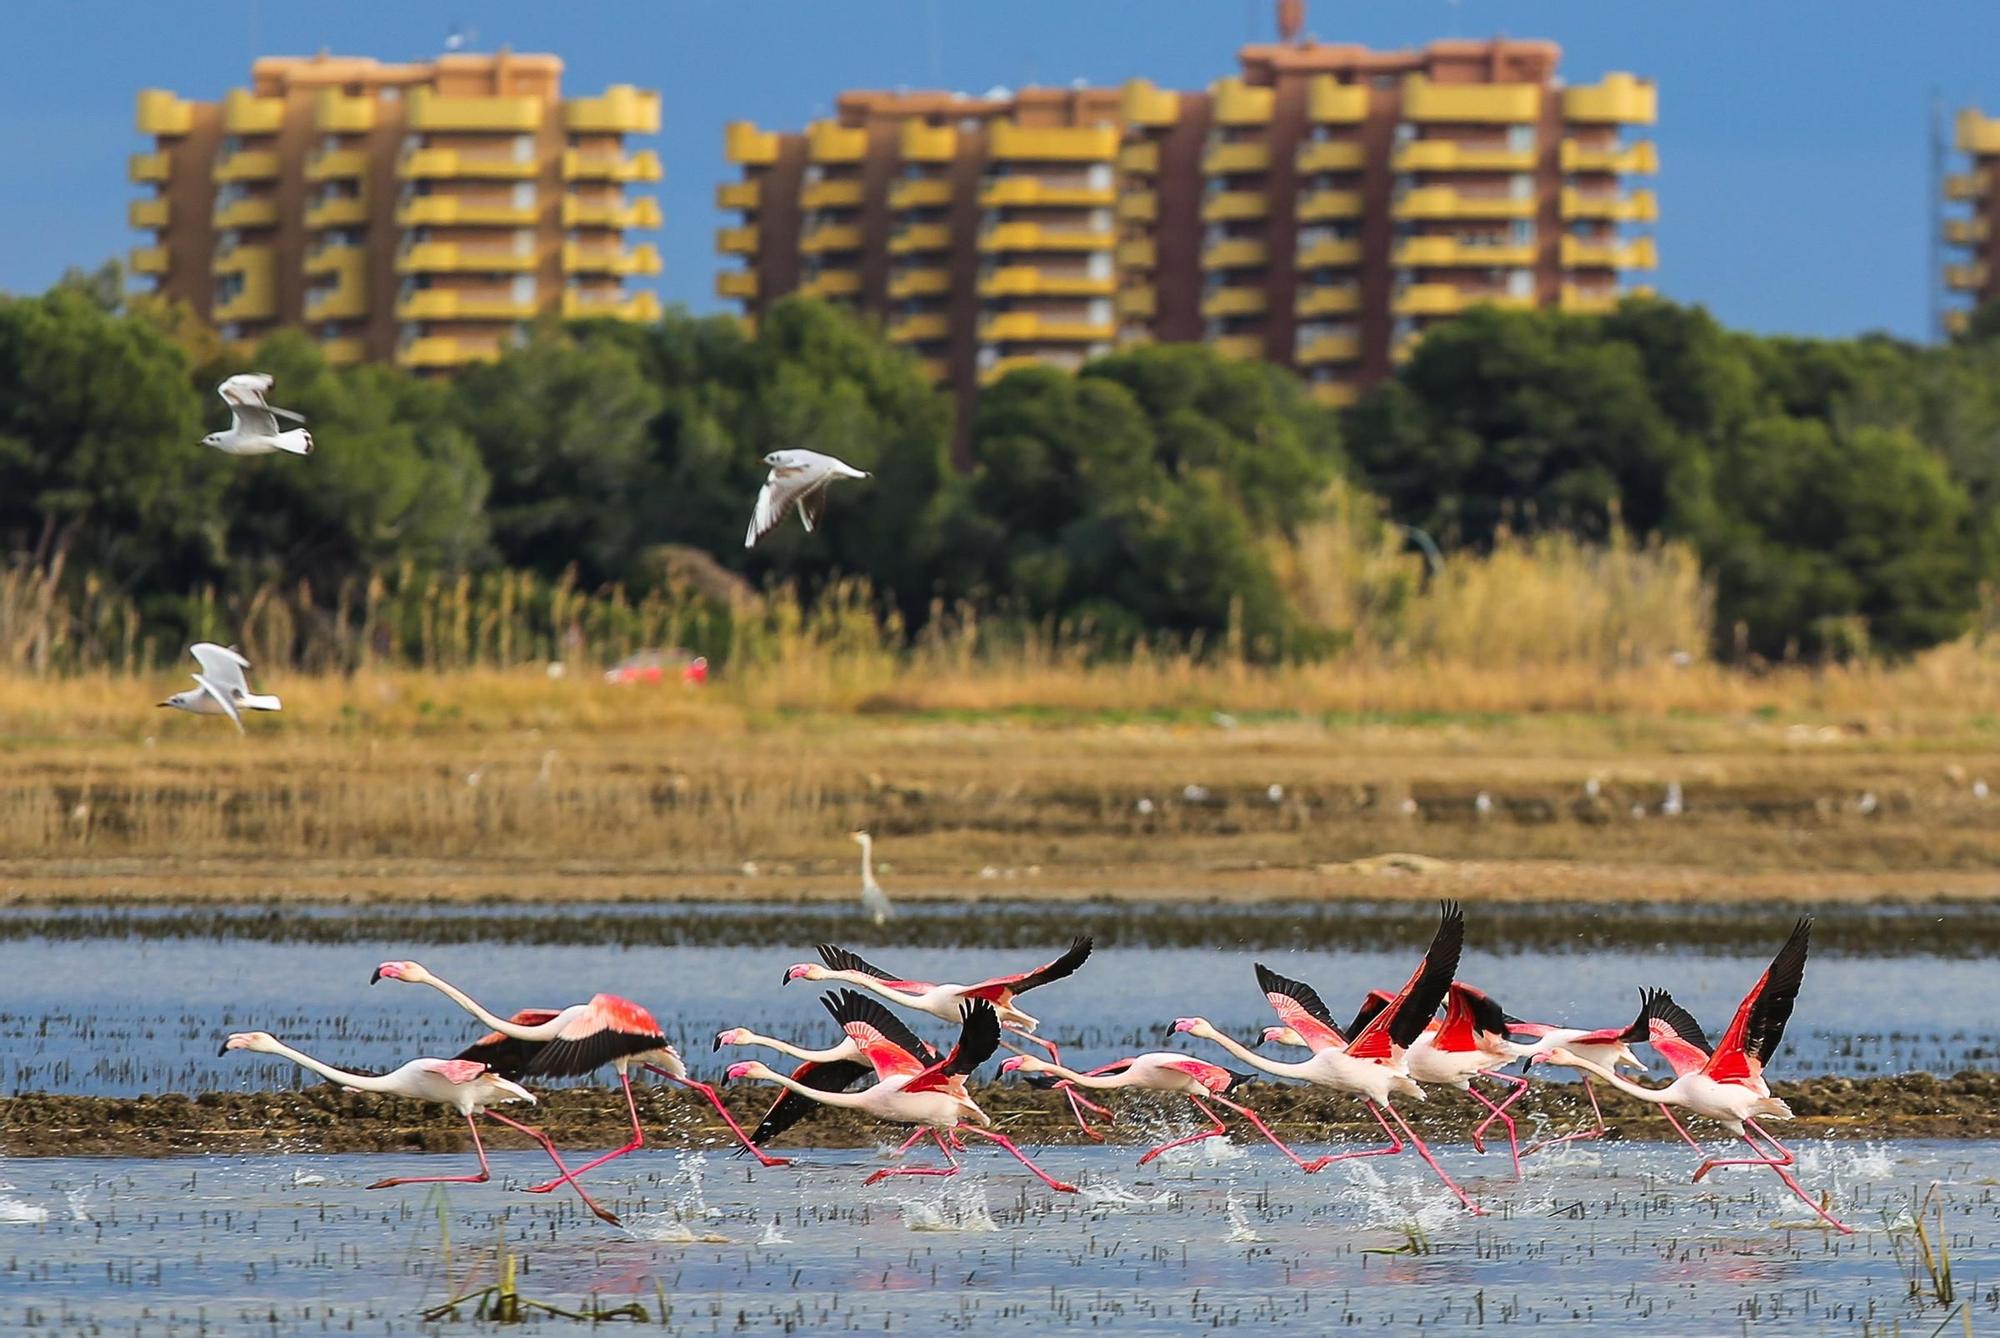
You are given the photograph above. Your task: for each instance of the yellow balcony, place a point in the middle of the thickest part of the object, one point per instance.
(144, 167)
(1320, 205)
(250, 211)
(743, 142)
(1235, 159)
(923, 326)
(620, 167)
(450, 164)
(1052, 143)
(1484, 104)
(740, 283)
(1416, 251)
(345, 301)
(332, 259)
(430, 111)
(935, 370)
(343, 352)
(1139, 206)
(1978, 135)
(337, 164)
(254, 301)
(831, 237)
(1964, 278)
(1641, 158)
(1638, 207)
(737, 241)
(1147, 104)
(745, 195)
(619, 260)
(335, 113)
(1957, 322)
(246, 114)
(1587, 301)
(1230, 205)
(1004, 366)
(1330, 156)
(1445, 155)
(919, 281)
(342, 211)
(1957, 186)
(1329, 348)
(151, 213)
(1443, 299)
(1019, 327)
(1033, 281)
(844, 193)
(1445, 202)
(459, 211)
(1138, 302)
(148, 260)
(248, 165)
(1233, 102)
(1137, 253)
(1331, 103)
(1241, 347)
(1235, 253)
(920, 237)
(640, 308)
(918, 142)
(1330, 253)
(1218, 302)
(1329, 300)
(161, 113)
(1026, 190)
(920, 193)
(1639, 253)
(1140, 158)
(643, 212)
(620, 110)
(1042, 237)
(833, 283)
(451, 257)
(832, 142)
(437, 352)
(1966, 231)
(1335, 394)
(446, 304)
(1619, 98)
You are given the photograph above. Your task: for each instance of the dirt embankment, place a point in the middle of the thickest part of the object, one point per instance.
(324, 1119)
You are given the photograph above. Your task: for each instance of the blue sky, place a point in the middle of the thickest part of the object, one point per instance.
(1794, 174)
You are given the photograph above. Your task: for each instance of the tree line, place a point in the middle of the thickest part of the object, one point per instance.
(1843, 495)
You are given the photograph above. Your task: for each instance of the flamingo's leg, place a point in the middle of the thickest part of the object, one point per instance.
(910, 1142)
(1307, 1166)
(1395, 1143)
(728, 1119)
(1218, 1131)
(1055, 1055)
(480, 1179)
(1777, 1164)
(1681, 1129)
(1596, 1130)
(1500, 1114)
(1425, 1153)
(949, 1168)
(1077, 1103)
(638, 1141)
(1019, 1156)
(556, 1157)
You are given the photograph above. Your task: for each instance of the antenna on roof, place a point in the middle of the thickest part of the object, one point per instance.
(1291, 19)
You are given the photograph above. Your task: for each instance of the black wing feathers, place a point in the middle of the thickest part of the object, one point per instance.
(1065, 965)
(790, 1107)
(1270, 982)
(1661, 1005)
(840, 959)
(1773, 1008)
(853, 1006)
(1420, 1005)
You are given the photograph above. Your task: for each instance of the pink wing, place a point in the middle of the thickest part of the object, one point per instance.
(458, 1071)
(1684, 1057)
(890, 1059)
(608, 1012)
(1212, 1076)
(1311, 1030)
(1537, 1029)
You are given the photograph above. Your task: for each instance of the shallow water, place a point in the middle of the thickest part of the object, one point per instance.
(1599, 1235)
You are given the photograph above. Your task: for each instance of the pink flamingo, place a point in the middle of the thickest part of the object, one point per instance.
(1607, 1047)
(466, 1086)
(1371, 1065)
(573, 1041)
(945, 1002)
(908, 1090)
(1471, 1042)
(1165, 1071)
(833, 1069)
(1726, 1082)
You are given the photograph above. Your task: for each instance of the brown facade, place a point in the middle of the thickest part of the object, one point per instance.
(408, 213)
(1975, 270)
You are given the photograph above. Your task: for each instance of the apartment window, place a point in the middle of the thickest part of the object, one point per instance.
(524, 148)
(1522, 232)
(1522, 185)
(1521, 283)
(1405, 132)
(524, 195)
(1521, 138)
(412, 143)
(524, 288)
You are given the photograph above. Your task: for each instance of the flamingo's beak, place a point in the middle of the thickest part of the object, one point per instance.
(376, 976)
(737, 1071)
(222, 1050)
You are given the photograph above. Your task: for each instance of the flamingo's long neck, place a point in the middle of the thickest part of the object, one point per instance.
(1659, 1096)
(872, 985)
(852, 1100)
(1255, 1060)
(499, 1024)
(843, 1051)
(366, 1082)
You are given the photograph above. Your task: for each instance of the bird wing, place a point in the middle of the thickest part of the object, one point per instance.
(1212, 1076)
(978, 1038)
(782, 486)
(605, 1029)
(245, 388)
(840, 959)
(507, 1055)
(1673, 1032)
(221, 664)
(254, 420)
(1468, 1015)
(1065, 965)
(1299, 1007)
(455, 1071)
(1376, 1001)
(790, 1107)
(224, 697)
(890, 1047)
(1416, 1004)
(1759, 1024)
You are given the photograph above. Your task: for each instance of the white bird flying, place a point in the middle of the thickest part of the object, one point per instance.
(796, 476)
(220, 688)
(253, 426)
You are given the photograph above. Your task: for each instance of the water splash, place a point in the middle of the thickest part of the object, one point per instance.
(1208, 1152)
(669, 1229)
(1110, 1197)
(17, 1211)
(1240, 1230)
(959, 1206)
(1422, 1204)
(1844, 1162)
(774, 1235)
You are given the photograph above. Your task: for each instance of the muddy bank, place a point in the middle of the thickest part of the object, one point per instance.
(324, 1119)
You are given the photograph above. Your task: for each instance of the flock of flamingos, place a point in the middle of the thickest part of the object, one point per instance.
(1435, 1030)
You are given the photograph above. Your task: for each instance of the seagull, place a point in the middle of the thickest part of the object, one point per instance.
(253, 426)
(796, 476)
(220, 688)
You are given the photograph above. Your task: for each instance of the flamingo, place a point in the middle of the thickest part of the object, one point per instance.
(1609, 1047)
(873, 898)
(909, 1090)
(834, 1069)
(946, 1002)
(1470, 1043)
(1726, 1082)
(575, 1040)
(1371, 1065)
(1165, 1071)
(469, 1087)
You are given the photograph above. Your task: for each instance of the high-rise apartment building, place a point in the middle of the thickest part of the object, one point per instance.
(1319, 209)
(1975, 270)
(408, 213)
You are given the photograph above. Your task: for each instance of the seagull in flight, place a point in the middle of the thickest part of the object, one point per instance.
(220, 687)
(253, 425)
(796, 476)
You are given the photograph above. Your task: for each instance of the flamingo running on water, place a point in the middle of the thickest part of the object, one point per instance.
(469, 1087)
(834, 1069)
(908, 1089)
(1371, 1065)
(1164, 1071)
(1726, 1082)
(1608, 1047)
(569, 1042)
(1471, 1042)
(946, 1002)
